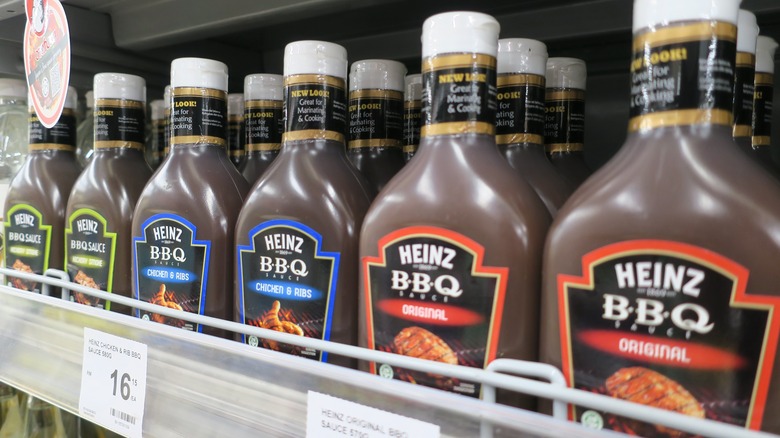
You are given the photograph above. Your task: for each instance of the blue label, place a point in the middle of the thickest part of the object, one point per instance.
(287, 283)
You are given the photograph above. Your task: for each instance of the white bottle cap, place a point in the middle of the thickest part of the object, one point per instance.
(765, 54)
(521, 55)
(167, 97)
(264, 86)
(650, 13)
(315, 57)
(381, 74)
(413, 87)
(460, 32)
(13, 88)
(747, 32)
(158, 109)
(89, 97)
(566, 73)
(235, 104)
(119, 86)
(200, 73)
(72, 99)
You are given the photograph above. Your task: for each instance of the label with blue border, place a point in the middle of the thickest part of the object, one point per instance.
(171, 268)
(287, 283)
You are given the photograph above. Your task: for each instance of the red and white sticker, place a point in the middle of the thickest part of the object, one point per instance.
(47, 58)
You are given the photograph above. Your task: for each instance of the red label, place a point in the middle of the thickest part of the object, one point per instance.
(668, 325)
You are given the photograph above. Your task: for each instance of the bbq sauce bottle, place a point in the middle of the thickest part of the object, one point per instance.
(297, 235)
(451, 249)
(236, 148)
(98, 218)
(762, 103)
(263, 123)
(520, 118)
(660, 271)
(564, 125)
(744, 77)
(412, 106)
(37, 196)
(376, 125)
(167, 127)
(155, 152)
(183, 225)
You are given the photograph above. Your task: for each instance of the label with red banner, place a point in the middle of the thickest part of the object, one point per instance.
(429, 296)
(668, 325)
(47, 58)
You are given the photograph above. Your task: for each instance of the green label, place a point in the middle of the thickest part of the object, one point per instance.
(89, 255)
(28, 242)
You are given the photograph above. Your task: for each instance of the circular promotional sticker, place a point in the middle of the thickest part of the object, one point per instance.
(47, 58)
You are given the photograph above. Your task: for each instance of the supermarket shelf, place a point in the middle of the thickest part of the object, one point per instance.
(198, 385)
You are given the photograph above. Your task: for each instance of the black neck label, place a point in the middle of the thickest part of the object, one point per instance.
(743, 94)
(315, 106)
(375, 118)
(564, 120)
(62, 136)
(27, 246)
(683, 75)
(762, 109)
(89, 254)
(119, 123)
(167, 132)
(521, 109)
(263, 124)
(159, 127)
(199, 115)
(459, 94)
(236, 147)
(412, 116)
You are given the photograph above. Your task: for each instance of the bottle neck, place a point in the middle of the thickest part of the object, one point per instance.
(263, 126)
(762, 109)
(742, 109)
(60, 137)
(315, 108)
(375, 118)
(198, 116)
(119, 123)
(564, 120)
(459, 95)
(682, 75)
(521, 109)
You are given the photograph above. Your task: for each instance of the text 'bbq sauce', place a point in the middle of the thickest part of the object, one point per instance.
(660, 281)
(521, 115)
(412, 113)
(451, 249)
(98, 219)
(236, 146)
(183, 225)
(263, 123)
(297, 235)
(37, 196)
(744, 77)
(564, 120)
(376, 124)
(762, 101)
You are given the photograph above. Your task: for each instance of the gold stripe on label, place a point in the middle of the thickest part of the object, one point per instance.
(166, 150)
(703, 30)
(252, 104)
(374, 143)
(237, 153)
(519, 138)
(742, 131)
(760, 140)
(765, 79)
(563, 147)
(458, 128)
(509, 79)
(560, 94)
(119, 103)
(456, 60)
(51, 147)
(65, 112)
(412, 104)
(745, 59)
(410, 148)
(381, 94)
(314, 80)
(261, 147)
(198, 92)
(197, 139)
(236, 118)
(118, 144)
(679, 118)
(316, 134)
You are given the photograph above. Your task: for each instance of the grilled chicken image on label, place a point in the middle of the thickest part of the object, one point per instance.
(271, 321)
(166, 299)
(18, 282)
(422, 344)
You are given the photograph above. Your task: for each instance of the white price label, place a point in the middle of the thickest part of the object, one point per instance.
(113, 382)
(331, 417)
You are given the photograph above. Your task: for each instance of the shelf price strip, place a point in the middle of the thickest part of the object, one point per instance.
(113, 382)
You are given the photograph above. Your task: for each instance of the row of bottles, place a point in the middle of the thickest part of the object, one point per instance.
(475, 249)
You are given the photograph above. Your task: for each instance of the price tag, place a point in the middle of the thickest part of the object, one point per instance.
(113, 382)
(331, 417)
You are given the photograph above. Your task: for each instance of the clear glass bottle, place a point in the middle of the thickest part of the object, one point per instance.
(13, 128)
(44, 420)
(263, 123)
(85, 133)
(11, 414)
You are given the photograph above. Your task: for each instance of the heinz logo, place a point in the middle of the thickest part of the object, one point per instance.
(165, 232)
(425, 253)
(284, 242)
(660, 276)
(24, 219)
(87, 226)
